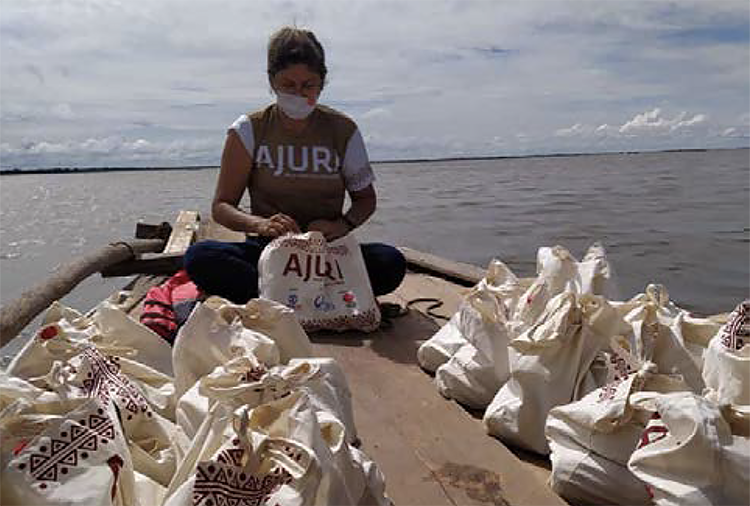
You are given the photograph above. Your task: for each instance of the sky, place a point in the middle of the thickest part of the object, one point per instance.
(157, 82)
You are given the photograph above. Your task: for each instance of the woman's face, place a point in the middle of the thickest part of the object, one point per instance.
(298, 79)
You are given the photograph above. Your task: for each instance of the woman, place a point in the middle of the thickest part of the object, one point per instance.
(297, 159)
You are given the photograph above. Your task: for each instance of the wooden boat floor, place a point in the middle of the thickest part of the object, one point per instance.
(431, 450)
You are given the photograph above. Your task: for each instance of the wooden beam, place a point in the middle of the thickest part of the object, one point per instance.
(151, 231)
(183, 232)
(164, 264)
(458, 272)
(15, 315)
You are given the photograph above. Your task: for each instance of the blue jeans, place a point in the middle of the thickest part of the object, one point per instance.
(230, 269)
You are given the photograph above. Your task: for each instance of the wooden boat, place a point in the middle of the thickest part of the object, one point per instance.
(431, 450)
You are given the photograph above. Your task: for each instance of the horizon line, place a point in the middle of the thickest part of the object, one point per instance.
(61, 169)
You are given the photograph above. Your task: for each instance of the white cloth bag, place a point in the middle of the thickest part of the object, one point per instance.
(657, 330)
(66, 334)
(480, 366)
(324, 472)
(61, 335)
(500, 284)
(342, 478)
(156, 444)
(245, 382)
(726, 367)
(230, 463)
(592, 439)
(553, 358)
(66, 453)
(215, 333)
(688, 455)
(108, 327)
(557, 272)
(326, 284)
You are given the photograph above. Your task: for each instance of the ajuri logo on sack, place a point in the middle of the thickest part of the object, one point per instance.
(322, 304)
(315, 266)
(292, 300)
(349, 299)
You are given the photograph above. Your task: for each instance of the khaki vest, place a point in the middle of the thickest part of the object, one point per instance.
(299, 174)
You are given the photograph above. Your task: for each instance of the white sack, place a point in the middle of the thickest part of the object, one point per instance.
(481, 365)
(326, 284)
(558, 272)
(75, 454)
(231, 463)
(156, 444)
(726, 368)
(215, 333)
(500, 283)
(688, 455)
(592, 439)
(554, 356)
(657, 327)
(245, 382)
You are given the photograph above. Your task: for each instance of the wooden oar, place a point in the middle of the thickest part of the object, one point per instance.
(15, 315)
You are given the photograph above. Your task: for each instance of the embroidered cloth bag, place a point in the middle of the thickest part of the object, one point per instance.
(726, 367)
(229, 463)
(65, 453)
(688, 455)
(245, 382)
(326, 284)
(592, 439)
(156, 444)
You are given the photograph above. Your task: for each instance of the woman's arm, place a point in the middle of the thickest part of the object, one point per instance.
(236, 164)
(363, 205)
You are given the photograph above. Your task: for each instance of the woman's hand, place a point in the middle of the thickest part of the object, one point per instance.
(331, 229)
(278, 224)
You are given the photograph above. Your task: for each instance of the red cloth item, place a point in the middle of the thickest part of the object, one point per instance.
(167, 306)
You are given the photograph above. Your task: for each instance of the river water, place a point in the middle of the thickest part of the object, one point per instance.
(681, 218)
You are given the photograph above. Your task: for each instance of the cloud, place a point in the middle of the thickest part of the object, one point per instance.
(449, 76)
(572, 131)
(652, 121)
(648, 123)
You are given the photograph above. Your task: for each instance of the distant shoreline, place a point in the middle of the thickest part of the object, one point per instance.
(77, 170)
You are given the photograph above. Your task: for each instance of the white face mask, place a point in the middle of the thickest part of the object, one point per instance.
(294, 106)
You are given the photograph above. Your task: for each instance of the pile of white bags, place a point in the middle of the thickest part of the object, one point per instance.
(473, 354)
(100, 410)
(559, 366)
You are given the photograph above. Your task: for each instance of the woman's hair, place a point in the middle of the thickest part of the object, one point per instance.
(290, 45)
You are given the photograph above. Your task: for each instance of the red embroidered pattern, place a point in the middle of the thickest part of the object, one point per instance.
(618, 370)
(254, 374)
(223, 482)
(308, 246)
(369, 320)
(105, 382)
(736, 333)
(50, 458)
(654, 431)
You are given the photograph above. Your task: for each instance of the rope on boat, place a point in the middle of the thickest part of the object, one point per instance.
(436, 303)
(389, 310)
